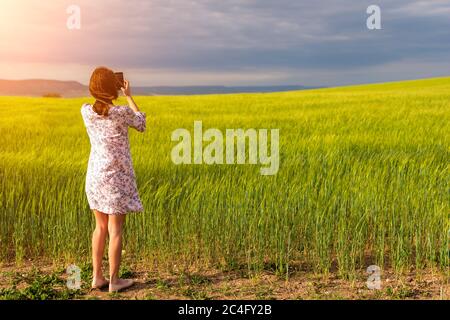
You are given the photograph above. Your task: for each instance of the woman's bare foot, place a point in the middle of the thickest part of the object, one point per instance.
(120, 284)
(99, 283)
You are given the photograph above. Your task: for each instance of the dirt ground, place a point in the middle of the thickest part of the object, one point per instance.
(220, 285)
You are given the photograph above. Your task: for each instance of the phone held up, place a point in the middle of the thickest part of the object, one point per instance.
(120, 80)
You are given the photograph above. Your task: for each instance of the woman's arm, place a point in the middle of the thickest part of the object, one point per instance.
(133, 116)
(127, 93)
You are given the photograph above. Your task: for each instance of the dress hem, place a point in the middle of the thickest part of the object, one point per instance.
(116, 213)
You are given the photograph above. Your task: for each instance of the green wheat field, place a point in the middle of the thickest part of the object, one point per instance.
(363, 179)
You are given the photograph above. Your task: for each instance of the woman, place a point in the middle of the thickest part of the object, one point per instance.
(110, 182)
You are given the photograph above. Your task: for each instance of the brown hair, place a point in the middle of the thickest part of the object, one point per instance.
(103, 86)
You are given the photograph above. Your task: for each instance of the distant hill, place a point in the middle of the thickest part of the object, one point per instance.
(39, 88)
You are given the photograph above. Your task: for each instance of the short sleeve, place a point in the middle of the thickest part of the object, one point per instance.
(84, 110)
(135, 120)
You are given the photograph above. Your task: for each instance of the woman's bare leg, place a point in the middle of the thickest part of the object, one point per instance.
(98, 248)
(115, 228)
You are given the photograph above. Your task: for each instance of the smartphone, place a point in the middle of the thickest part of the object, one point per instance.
(120, 79)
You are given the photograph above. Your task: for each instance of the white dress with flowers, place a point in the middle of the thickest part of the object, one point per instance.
(110, 180)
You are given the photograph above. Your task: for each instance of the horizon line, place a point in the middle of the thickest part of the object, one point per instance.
(248, 85)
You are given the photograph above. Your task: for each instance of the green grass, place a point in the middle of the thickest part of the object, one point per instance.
(363, 179)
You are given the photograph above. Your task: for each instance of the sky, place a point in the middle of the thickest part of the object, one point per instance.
(226, 42)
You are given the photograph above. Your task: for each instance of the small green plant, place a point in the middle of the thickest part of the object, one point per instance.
(198, 279)
(402, 292)
(115, 296)
(162, 284)
(126, 272)
(38, 286)
(195, 294)
(149, 296)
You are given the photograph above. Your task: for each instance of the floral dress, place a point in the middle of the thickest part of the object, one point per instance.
(110, 180)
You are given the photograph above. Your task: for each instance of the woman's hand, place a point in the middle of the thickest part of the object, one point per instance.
(126, 90)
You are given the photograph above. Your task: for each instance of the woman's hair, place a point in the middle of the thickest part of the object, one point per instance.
(103, 86)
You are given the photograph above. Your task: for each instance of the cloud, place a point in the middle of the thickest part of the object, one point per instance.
(283, 39)
(425, 8)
